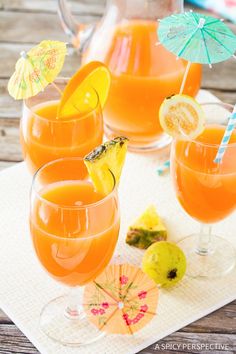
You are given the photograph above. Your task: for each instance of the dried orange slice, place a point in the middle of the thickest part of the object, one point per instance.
(83, 89)
(182, 115)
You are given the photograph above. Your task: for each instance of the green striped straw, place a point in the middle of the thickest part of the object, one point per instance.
(163, 168)
(226, 138)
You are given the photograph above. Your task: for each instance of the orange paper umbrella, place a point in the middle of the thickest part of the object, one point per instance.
(36, 69)
(122, 300)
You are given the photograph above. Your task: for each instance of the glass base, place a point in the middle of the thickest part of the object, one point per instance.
(218, 261)
(72, 329)
(162, 141)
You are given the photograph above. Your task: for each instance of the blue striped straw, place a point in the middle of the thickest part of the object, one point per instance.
(163, 168)
(228, 132)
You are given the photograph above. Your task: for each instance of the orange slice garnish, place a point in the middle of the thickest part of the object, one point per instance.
(182, 115)
(83, 89)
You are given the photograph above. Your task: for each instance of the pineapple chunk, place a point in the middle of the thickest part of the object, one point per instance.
(105, 164)
(147, 229)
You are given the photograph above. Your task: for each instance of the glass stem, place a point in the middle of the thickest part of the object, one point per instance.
(204, 240)
(73, 309)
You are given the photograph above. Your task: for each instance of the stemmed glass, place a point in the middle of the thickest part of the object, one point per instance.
(74, 231)
(207, 192)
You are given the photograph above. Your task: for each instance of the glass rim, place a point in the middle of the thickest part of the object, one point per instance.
(66, 207)
(211, 103)
(61, 121)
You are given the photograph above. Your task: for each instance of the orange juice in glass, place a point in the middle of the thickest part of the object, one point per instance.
(45, 138)
(74, 231)
(143, 75)
(207, 191)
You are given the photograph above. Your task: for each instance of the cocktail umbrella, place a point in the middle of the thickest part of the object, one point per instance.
(196, 38)
(121, 300)
(36, 69)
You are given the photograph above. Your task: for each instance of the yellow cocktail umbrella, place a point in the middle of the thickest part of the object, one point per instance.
(36, 69)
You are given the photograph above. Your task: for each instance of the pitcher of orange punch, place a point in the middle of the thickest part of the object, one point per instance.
(143, 73)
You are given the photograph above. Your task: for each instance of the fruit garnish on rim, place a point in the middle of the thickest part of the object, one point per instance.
(105, 164)
(182, 115)
(90, 82)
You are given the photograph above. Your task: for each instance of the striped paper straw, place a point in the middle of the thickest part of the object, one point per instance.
(228, 132)
(163, 168)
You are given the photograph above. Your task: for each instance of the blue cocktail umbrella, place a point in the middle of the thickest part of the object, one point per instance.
(196, 38)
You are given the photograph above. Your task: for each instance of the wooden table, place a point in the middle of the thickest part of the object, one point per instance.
(24, 23)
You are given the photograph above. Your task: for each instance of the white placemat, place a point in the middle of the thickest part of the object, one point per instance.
(25, 287)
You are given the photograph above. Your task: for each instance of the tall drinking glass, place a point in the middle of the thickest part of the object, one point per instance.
(45, 138)
(207, 192)
(74, 231)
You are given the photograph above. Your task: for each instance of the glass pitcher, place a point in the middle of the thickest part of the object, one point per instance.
(143, 74)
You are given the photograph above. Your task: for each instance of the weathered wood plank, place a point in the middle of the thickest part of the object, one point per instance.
(220, 77)
(10, 149)
(220, 321)
(4, 319)
(13, 341)
(9, 107)
(190, 342)
(77, 6)
(25, 27)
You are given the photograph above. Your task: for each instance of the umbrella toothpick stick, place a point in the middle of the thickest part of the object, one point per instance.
(57, 88)
(185, 77)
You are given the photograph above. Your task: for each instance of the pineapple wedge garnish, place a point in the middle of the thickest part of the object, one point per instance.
(105, 164)
(147, 229)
